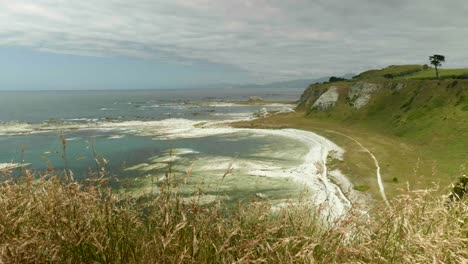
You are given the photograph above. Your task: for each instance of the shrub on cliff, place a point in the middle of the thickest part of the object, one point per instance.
(336, 79)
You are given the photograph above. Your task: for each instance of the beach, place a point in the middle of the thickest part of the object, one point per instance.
(309, 170)
(143, 134)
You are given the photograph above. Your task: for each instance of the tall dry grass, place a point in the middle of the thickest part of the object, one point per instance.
(48, 220)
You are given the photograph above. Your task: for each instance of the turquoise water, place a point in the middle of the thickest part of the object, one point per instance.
(82, 148)
(125, 149)
(35, 107)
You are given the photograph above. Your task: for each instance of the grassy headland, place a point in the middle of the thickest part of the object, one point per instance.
(390, 72)
(416, 128)
(415, 71)
(443, 73)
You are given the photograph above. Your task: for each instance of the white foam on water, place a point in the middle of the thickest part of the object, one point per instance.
(230, 104)
(221, 104)
(137, 167)
(164, 159)
(116, 137)
(312, 172)
(147, 167)
(9, 166)
(14, 128)
(150, 106)
(82, 119)
(233, 116)
(176, 106)
(182, 151)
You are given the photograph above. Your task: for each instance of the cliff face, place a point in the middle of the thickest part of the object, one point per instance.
(327, 99)
(392, 89)
(420, 109)
(426, 113)
(356, 94)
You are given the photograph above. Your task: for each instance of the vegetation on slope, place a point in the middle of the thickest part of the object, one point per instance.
(443, 74)
(393, 71)
(418, 72)
(46, 220)
(416, 128)
(420, 111)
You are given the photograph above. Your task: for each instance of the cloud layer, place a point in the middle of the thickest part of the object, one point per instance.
(272, 40)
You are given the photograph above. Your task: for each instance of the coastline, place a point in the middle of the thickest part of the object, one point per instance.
(326, 192)
(313, 172)
(8, 166)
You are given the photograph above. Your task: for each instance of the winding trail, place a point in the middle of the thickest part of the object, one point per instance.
(324, 175)
(376, 162)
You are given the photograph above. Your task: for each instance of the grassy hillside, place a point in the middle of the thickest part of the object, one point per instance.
(418, 129)
(443, 74)
(409, 72)
(431, 116)
(420, 111)
(389, 72)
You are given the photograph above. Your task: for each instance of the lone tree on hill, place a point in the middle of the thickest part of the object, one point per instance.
(437, 60)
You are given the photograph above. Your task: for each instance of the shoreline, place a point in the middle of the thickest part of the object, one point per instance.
(8, 166)
(313, 172)
(326, 194)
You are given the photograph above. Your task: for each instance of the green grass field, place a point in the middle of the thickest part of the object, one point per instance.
(394, 71)
(410, 72)
(443, 73)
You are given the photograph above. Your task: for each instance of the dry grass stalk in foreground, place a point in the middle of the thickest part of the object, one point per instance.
(47, 220)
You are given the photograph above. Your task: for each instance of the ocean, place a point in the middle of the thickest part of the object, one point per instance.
(140, 134)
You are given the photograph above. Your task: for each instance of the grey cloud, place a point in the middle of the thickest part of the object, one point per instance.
(273, 40)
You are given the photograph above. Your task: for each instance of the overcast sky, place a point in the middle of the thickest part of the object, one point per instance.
(97, 44)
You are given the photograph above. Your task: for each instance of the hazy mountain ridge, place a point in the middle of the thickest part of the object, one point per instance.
(300, 83)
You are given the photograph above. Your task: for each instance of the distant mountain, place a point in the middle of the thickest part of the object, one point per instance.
(301, 83)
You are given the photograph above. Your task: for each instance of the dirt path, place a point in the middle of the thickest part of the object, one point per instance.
(376, 162)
